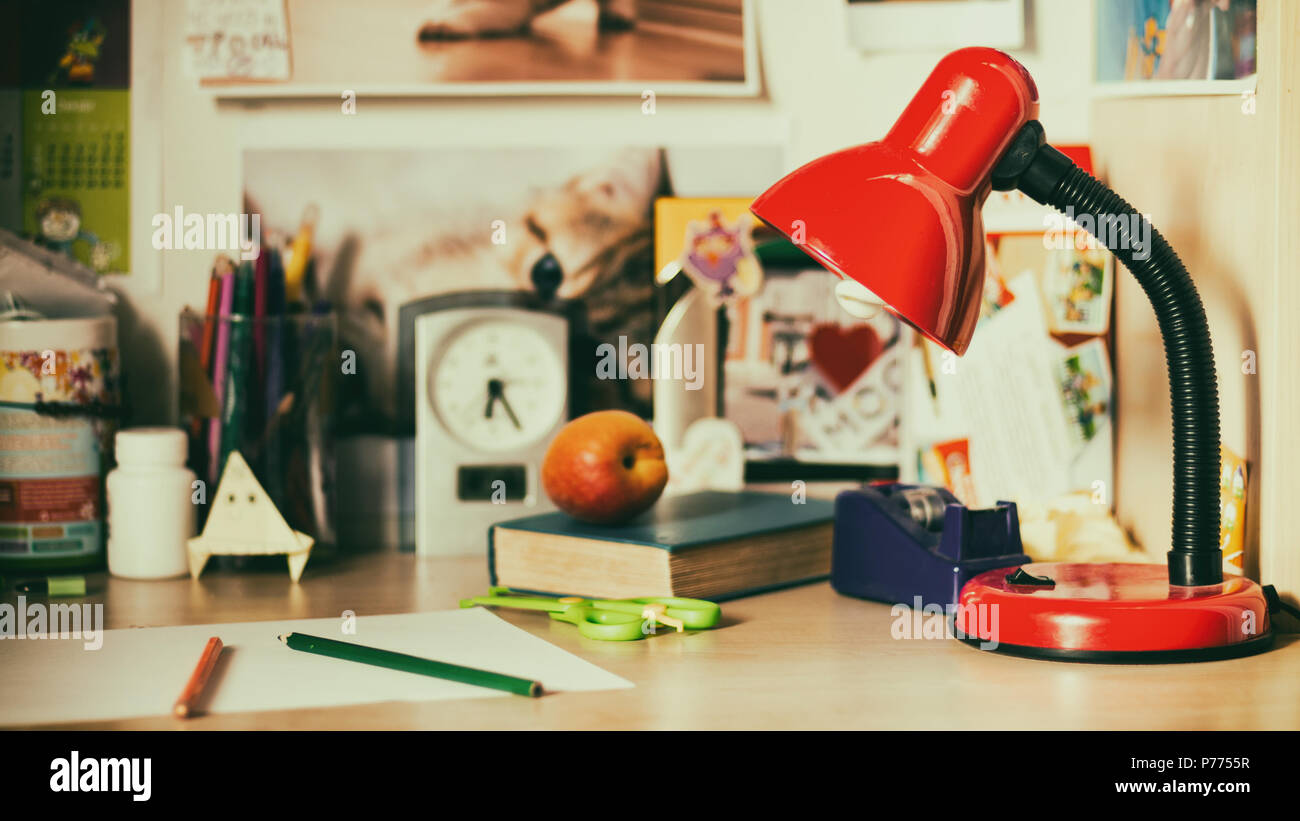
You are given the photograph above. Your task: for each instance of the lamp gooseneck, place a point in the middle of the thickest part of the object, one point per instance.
(1051, 178)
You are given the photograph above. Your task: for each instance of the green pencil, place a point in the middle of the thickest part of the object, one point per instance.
(411, 664)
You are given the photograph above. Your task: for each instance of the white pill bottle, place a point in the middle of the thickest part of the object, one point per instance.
(150, 507)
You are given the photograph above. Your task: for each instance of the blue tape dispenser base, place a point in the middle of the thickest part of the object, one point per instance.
(896, 542)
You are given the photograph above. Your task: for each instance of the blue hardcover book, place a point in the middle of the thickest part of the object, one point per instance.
(710, 545)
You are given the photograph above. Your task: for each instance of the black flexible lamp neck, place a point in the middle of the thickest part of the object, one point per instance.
(1048, 176)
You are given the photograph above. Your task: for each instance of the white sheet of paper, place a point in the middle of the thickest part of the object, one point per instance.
(140, 672)
(1020, 444)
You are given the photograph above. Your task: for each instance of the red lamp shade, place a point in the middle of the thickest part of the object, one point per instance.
(902, 216)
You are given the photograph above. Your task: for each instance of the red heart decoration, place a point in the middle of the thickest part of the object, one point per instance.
(841, 354)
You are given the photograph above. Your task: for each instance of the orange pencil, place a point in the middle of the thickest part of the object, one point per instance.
(198, 679)
(210, 318)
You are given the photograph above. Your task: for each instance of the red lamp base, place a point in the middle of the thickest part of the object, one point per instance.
(1114, 613)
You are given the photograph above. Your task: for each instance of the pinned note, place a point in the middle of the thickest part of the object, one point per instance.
(233, 41)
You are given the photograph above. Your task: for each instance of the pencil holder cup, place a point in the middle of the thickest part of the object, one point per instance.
(263, 387)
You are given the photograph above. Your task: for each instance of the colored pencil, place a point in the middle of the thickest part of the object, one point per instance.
(198, 679)
(234, 407)
(295, 268)
(220, 357)
(205, 342)
(411, 664)
(273, 387)
(260, 306)
(210, 322)
(274, 332)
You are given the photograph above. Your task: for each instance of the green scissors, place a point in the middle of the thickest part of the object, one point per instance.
(611, 619)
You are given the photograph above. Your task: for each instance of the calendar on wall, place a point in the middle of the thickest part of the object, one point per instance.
(76, 196)
(65, 147)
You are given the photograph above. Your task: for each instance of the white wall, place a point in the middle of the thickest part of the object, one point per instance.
(820, 93)
(837, 95)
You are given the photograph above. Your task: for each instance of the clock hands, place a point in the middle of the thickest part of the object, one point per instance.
(497, 392)
(510, 412)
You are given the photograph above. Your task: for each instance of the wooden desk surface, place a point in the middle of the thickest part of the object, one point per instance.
(798, 658)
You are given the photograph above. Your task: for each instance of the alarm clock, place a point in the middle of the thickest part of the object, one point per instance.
(492, 386)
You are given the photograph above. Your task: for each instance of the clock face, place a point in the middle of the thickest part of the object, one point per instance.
(498, 385)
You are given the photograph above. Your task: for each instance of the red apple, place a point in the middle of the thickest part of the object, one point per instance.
(605, 467)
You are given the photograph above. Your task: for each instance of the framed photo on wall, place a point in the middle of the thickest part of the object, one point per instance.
(396, 225)
(325, 48)
(1174, 47)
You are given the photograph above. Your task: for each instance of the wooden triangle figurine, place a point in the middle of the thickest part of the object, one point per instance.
(245, 522)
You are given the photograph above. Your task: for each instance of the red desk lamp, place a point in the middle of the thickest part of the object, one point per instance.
(902, 217)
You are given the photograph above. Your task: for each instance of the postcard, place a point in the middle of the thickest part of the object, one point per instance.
(1084, 377)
